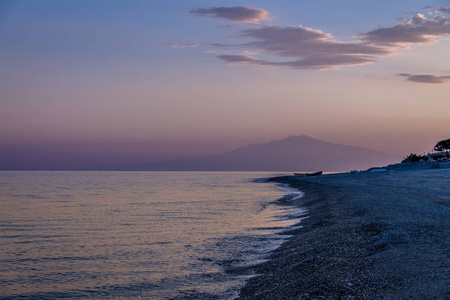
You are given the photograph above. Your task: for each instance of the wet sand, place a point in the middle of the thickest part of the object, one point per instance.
(371, 235)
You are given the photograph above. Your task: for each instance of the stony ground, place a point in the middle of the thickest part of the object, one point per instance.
(383, 235)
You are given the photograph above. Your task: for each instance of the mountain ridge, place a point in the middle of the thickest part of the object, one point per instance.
(293, 153)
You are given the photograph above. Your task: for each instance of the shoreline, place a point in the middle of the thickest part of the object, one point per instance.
(379, 235)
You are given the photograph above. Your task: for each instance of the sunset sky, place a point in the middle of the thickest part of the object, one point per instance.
(157, 80)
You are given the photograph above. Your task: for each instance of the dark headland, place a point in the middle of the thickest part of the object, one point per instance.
(370, 235)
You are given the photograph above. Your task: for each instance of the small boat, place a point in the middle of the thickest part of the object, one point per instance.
(308, 174)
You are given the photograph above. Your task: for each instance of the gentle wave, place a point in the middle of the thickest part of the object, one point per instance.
(132, 235)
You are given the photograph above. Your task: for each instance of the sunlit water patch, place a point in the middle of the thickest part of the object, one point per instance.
(155, 235)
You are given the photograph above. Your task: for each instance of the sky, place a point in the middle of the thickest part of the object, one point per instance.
(106, 81)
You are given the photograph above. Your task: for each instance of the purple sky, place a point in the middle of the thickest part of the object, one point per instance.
(118, 82)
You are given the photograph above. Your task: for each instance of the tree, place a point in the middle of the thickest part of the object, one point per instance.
(443, 145)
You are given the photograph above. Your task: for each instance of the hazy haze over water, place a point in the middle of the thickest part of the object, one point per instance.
(133, 234)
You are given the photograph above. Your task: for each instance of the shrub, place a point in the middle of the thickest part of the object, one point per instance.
(414, 158)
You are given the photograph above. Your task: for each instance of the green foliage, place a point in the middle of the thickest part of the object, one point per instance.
(414, 158)
(443, 145)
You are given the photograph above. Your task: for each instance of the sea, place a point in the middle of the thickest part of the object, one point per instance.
(137, 235)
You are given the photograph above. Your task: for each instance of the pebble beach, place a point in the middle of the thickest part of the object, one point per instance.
(366, 235)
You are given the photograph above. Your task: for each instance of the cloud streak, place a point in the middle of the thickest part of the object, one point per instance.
(445, 10)
(236, 13)
(175, 45)
(300, 47)
(427, 78)
(417, 30)
(242, 60)
(308, 48)
(311, 48)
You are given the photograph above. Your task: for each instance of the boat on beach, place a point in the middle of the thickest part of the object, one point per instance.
(308, 174)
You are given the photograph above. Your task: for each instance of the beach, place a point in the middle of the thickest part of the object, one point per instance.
(366, 235)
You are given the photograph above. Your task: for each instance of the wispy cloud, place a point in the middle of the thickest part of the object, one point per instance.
(309, 48)
(236, 13)
(241, 60)
(312, 48)
(426, 78)
(417, 30)
(184, 45)
(445, 10)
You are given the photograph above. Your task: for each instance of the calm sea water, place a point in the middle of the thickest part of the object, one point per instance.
(133, 235)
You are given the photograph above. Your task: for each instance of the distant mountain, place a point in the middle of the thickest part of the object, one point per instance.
(301, 153)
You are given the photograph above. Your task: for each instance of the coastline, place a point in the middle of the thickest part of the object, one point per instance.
(371, 235)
